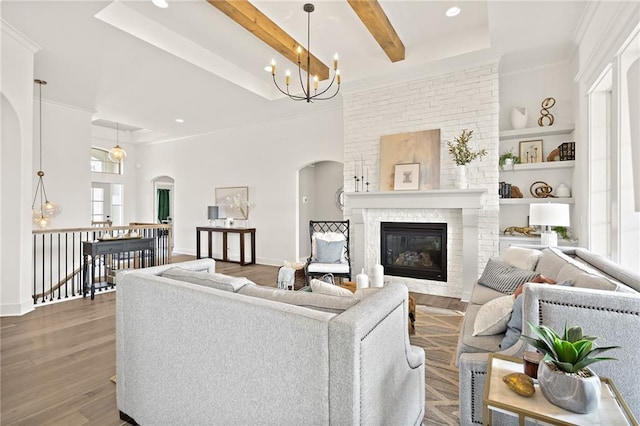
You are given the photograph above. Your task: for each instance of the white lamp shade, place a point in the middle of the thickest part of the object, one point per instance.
(549, 214)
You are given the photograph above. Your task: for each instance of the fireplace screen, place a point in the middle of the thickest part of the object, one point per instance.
(414, 250)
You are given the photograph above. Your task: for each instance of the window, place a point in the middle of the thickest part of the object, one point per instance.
(107, 202)
(101, 163)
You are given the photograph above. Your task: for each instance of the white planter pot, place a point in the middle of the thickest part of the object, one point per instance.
(576, 394)
(519, 117)
(461, 178)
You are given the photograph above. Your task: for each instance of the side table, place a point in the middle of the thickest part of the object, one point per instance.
(224, 231)
(498, 397)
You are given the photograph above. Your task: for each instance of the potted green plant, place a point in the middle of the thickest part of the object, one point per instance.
(463, 155)
(508, 158)
(564, 377)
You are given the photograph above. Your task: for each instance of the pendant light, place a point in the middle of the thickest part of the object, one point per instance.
(117, 154)
(45, 210)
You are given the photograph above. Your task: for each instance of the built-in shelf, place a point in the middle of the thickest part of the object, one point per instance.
(532, 132)
(540, 166)
(531, 200)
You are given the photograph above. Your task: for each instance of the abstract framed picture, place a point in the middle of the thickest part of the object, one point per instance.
(422, 147)
(531, 151)
(232, 202)
(407, 177)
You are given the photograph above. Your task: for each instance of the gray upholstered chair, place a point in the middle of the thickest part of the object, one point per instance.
(329, 250)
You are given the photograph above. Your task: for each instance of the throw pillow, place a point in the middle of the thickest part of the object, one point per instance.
(514, 326)
(327, 236)
(319, 286)
(503, 277)
(328, 251)
(521, 257)
(493, 316)
(317, 301)
(217, 281)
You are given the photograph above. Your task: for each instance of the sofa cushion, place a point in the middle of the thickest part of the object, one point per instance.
(503, 277)
(551, 262)
(584, 279)
(217, 281)
(317, 301)
(493, 316)
(521, 257)
(319, 286)
(481, 294)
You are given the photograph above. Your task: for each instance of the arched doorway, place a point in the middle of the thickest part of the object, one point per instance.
(319, 198)
(163, 196)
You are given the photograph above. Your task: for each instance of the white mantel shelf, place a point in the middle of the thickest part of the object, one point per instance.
(430, 199)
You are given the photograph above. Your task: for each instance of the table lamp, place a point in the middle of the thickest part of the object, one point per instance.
(548, 215)
(212, 213)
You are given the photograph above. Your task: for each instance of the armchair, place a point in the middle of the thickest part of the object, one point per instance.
(329, 250)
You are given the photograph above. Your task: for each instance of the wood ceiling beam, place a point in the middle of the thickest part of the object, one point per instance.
(257, 23)
(373, 17)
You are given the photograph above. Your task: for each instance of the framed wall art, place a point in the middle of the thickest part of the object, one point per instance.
(233, 202)
(422, 148)
(531, 151)
(407, 177)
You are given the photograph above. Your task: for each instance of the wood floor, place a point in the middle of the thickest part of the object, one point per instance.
(56, 362)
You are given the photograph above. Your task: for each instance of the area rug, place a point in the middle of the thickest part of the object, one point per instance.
(437, 332)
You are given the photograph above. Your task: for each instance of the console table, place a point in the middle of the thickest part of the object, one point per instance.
(110, 251)
(225, 231)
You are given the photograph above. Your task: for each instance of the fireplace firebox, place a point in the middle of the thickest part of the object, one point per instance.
(414, 250)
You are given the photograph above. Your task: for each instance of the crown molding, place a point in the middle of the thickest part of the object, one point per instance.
(12, 32)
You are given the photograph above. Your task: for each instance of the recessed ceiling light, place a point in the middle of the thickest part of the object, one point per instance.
(451, 12)
(160, 3)
(267, 68)
(179, 120)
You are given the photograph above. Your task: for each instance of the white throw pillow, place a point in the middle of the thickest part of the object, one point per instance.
(327, 236)
(521, 257)
(319, 286)
(493, 316)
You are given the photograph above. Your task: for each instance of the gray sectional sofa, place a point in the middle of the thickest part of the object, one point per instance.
(214, 354)
(602, 297)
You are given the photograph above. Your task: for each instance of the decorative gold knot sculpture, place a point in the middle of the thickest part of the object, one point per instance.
(540, 189)
(546, 104)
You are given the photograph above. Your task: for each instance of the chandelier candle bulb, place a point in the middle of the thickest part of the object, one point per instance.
(273, 67)
(299, 51)
(338, 75)
(335, 62)
(287, 78)
(315, 82)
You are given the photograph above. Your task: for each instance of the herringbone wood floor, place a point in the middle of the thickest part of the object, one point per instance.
(57, 361)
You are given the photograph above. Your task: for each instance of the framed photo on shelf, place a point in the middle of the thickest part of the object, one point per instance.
(407, 177)
(531, 151)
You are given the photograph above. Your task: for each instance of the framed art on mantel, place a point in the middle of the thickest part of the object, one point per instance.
(407, 177)
(421, 148)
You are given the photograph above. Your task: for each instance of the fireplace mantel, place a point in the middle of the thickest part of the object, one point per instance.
(443, 198)
(469, 201)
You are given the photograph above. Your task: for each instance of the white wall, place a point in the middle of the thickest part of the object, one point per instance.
(66, 155)
(528, 88)
(265, 157)
(16, 85)
(328, 179)
(306, 207)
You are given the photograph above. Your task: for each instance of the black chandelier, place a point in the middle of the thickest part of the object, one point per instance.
(307, 91)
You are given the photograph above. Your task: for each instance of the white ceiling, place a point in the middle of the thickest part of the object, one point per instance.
(144, 66)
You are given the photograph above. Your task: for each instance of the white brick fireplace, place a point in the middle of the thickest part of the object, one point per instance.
(458, 208)
(463, 99)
